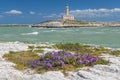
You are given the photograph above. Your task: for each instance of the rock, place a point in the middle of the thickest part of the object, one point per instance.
(7, 71)
(52, 75)
(10, 74)
(97, 72)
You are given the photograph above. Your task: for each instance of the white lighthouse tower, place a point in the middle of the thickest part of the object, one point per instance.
(67, 16)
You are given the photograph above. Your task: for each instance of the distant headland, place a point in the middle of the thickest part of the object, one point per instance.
(68, 20)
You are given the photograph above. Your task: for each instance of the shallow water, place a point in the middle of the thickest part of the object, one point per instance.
(104, 36)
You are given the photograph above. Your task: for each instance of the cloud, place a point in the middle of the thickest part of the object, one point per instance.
(54, 16)
(87, 14)
(1, 16)
(102, 12)
(31, 12)
(14, 12)
(50, 16)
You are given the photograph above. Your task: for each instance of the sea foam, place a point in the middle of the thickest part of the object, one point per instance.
(32, 33)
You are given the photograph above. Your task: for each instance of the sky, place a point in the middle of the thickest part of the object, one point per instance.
(35, 11)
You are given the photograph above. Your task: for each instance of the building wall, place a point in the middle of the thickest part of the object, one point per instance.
(68, 17)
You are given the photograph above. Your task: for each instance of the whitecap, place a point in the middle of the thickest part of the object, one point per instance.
(53, 30)
(33, 33)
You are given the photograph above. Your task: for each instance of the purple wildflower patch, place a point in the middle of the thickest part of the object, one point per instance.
(59, 59)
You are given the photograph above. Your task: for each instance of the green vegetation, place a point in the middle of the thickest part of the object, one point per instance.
(115, 52)
(50, 21)
(83, 49)
(70, 57)
(67, 61)
(21, 59)
(75, 22)
(37, 49)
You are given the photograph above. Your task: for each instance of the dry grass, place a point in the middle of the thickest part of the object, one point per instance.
(22, 59)
(115, 52)
(84, 49)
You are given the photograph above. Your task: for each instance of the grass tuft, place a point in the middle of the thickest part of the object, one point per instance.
(70, 57)
(21, 59)
(83, 49)
(115, 52)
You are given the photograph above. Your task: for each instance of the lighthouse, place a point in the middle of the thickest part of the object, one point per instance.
(67, 16)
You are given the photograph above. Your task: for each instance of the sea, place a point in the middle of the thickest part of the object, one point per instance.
(103, 36)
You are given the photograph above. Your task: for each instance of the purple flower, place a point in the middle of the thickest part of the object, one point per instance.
(49, 66)
(43, 63)
(59, 59)
(86, 61)
(78, 55)
(79, 61)
(94, 59)
(62, 63)
(89, 56)
(35, 63)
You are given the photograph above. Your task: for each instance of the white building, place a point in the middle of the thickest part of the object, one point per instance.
(67, 16)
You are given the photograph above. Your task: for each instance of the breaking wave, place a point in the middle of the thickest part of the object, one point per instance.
(33, 33)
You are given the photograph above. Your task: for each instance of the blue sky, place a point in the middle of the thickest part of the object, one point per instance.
(35, 11)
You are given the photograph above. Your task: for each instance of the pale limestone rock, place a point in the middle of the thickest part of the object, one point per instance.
(54, 75)
(97, 72)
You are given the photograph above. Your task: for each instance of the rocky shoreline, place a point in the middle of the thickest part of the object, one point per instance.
(74, 23)
(99, 72)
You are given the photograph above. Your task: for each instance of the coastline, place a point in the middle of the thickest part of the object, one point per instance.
(15, 25)
(66, 24)
(101, 72)
(74, 24)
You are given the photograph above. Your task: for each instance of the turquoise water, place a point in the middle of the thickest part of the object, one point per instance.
(104, 36)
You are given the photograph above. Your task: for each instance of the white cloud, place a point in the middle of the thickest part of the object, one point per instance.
(54, 16)
(115, 10)
(102, 12)
(14, 12)
(50, 16)
(31, 12)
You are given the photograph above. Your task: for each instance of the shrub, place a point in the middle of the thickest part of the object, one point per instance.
(62, 60)
(84, 49)
(21, 59)
(70, 57)
(115, 52)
